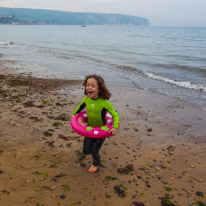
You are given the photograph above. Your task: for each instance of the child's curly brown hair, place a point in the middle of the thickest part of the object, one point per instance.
(103, 91)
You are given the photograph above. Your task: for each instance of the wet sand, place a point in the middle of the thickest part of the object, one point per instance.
(157, 158)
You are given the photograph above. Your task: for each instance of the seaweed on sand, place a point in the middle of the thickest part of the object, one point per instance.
(126, 170)
(138, 204)
(166, 201)
(120, 190)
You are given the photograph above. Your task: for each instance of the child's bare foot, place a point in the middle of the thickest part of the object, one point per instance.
(93, 168)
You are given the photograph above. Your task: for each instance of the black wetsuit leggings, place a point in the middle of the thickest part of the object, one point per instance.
(92, 146)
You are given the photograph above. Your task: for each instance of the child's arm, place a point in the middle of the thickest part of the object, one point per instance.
(80, 107)
(115, 116)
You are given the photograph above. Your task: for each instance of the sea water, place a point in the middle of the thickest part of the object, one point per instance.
(169, 61)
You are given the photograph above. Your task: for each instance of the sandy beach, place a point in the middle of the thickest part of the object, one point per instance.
(156, 159)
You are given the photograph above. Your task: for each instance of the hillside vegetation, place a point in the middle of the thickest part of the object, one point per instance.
(40, 16)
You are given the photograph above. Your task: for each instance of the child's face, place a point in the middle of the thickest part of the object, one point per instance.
(92, 88)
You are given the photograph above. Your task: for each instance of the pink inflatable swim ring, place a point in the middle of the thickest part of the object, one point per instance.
(79, 125)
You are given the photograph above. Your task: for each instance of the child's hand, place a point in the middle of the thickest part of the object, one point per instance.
(113, 131)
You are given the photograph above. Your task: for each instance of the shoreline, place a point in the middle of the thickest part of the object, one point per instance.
(157, 155)
(142, 80)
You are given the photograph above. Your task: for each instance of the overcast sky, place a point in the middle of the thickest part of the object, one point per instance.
(158, 12)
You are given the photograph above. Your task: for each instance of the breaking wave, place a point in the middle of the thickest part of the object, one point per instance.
(185, 84)
(6, 43)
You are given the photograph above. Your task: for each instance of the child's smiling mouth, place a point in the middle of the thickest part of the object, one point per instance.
(89, 92)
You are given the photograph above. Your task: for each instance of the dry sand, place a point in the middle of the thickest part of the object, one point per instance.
(157, 158)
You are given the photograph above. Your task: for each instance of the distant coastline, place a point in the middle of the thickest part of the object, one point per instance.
(21, 16)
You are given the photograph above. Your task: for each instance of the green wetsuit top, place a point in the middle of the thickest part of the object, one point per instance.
(96, 111)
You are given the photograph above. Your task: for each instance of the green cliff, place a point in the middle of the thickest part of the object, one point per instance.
(40, 16)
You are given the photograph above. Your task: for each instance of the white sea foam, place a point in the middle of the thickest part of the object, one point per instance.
(4, 43)
(185, 84)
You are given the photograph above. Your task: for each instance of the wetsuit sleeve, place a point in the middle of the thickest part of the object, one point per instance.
(80, 107)
(115, 116)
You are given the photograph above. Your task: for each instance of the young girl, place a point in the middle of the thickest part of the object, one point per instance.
(96, 105)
